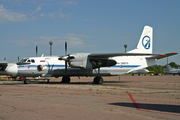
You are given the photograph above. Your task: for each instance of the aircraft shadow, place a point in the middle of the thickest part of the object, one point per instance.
(157, 107)
(59, 82)
(62, 83)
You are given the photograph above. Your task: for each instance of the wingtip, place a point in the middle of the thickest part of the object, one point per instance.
(175, 53)
(162, 55)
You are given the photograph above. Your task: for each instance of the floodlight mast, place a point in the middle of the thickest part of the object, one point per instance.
(50, 47)
(125, 46)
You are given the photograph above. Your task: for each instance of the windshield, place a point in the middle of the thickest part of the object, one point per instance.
(23, 60)
(27, 60)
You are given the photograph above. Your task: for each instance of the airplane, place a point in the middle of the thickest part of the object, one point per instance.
(90, 64)
(173, 70)
(139, 71)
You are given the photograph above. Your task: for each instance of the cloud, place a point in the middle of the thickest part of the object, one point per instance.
(56, 15)
(73, 40)
(35, 11)
(68, 3)
(42, 14)
(103, 30)
(10, 16)
(7, 15)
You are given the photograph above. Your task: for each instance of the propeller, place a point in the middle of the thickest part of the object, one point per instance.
(66, 58)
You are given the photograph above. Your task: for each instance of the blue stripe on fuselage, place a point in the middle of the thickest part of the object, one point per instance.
(116, 66)
(37, 65)
(126, 66)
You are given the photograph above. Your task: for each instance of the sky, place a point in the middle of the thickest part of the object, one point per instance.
(88, 26)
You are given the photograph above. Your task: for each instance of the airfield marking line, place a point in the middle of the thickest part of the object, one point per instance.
(137, 107)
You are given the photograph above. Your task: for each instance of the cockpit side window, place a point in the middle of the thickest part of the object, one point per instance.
(28, 61)
(32, 60)
(23, 60)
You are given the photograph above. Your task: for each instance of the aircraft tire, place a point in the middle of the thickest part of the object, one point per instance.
(66, 79)
(98, 80)
(27, 81)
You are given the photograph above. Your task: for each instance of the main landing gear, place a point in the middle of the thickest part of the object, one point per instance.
(98, 79)
(66, 79)
(26, 81)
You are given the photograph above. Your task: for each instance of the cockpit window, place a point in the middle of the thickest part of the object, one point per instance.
(32, 60)
(27, 60)
(23, 60)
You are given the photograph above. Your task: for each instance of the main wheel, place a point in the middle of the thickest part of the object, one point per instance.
(66, 79)
(27, 81)
(98, 80)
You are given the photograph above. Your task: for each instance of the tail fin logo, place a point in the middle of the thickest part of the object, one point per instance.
(146, 42)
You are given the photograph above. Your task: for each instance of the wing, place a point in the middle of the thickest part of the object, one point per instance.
(106, 55)
(104, 59)
(160, 56)
(3, 63)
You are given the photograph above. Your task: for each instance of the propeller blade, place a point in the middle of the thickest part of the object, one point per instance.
(66, 67)
(66, 58)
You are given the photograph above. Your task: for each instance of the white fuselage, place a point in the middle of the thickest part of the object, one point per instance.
(55, 68)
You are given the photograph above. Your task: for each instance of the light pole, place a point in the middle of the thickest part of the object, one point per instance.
(125, 46)
(36, 50)
(50, 47)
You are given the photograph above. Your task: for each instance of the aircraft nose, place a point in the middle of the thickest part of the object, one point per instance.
(12, 70)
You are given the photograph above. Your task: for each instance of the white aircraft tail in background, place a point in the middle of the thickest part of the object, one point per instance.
(173, 70)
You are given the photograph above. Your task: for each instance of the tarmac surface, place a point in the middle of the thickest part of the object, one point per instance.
(125, 97)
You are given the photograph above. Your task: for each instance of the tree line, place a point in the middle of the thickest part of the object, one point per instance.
(158, 69)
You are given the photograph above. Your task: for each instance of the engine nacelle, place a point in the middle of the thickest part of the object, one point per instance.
(80, 60)
(41, 67)
(103, 62)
